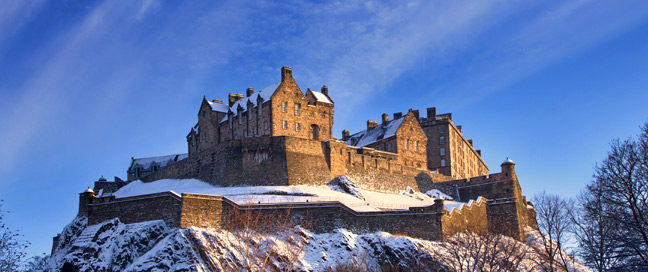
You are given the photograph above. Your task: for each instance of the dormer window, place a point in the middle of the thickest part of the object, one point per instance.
(260, 110)
(249, 113)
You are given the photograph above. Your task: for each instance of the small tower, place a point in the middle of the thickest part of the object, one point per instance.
(508, 168)
(85, 198)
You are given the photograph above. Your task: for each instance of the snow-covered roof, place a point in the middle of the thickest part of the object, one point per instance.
(364, 138)
(321, 97)
(162, 161)
(219, 107)
(264, 93)
(507, 161)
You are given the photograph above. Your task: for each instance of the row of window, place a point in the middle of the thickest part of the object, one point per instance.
(416, 145)
(284, 125)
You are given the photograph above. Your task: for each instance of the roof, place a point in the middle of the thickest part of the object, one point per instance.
(364, 138)
(264, 93)
(321, 97)
(219, 107)
(162, 161)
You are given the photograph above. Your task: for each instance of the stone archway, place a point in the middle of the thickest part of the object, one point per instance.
(315, 132)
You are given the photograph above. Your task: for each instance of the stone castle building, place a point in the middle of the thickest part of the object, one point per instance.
(280, 136)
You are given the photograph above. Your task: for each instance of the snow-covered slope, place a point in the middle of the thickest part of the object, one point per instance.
(152, 246)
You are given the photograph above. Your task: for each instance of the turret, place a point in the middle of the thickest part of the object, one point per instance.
(508, 168)
(85, 198)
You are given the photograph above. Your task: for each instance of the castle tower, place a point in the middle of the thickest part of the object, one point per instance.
(508, 168)
(85, 198)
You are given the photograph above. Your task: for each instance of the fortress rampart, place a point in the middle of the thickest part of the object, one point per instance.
(429, 222)
(286, 160)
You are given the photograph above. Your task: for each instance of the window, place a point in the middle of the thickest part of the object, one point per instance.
(442, 140)
(249, 113)
(256, 130)
(230, 120)
(323, 114)
(442, 151)
(245, 134)
(283, 106)
(406, 144)
(265, 125)
(443, 163)
(323, 130)
(416, 146)
(193, 140)
(441, 130)
(388, 147)
(240, 118)
(260, 110)
(297, 127)
(297, 109)
(284, 124)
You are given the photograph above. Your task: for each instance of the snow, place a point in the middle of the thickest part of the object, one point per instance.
(434, 193)
(321, 97)
(360, 200)
(451, 206)
(265, 94)
(219, 107)
(364, 138)
(152, 246)
(162, 161)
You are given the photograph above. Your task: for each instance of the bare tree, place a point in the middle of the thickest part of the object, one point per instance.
(470, 252)
(265, 239)
(12, 249)
(552, 214)
(622, 179)
(594, 231)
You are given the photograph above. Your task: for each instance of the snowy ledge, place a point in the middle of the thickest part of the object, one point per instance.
(373, 201)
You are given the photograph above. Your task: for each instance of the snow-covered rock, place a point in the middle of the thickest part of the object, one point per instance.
(152, 246)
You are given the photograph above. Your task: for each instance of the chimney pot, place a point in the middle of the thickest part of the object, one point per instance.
(325, 90)
(286, 72)
(371, 124)
(431, 113)
(345, 135)
(416, 114)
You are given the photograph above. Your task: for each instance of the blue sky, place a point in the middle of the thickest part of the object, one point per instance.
(85, 85)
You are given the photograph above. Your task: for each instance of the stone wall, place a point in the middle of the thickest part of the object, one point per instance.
(161, 206)
(471, 218)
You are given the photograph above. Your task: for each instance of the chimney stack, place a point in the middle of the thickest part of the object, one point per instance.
(398, 115)
(217, 101)
(286, 72)
(459, 128)
(416, 114)
(431, 113)
(325, 90)
(345, 135)
(385, 118)
(470, 142)
(371, 124)
(233, 98)
(249, 92)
